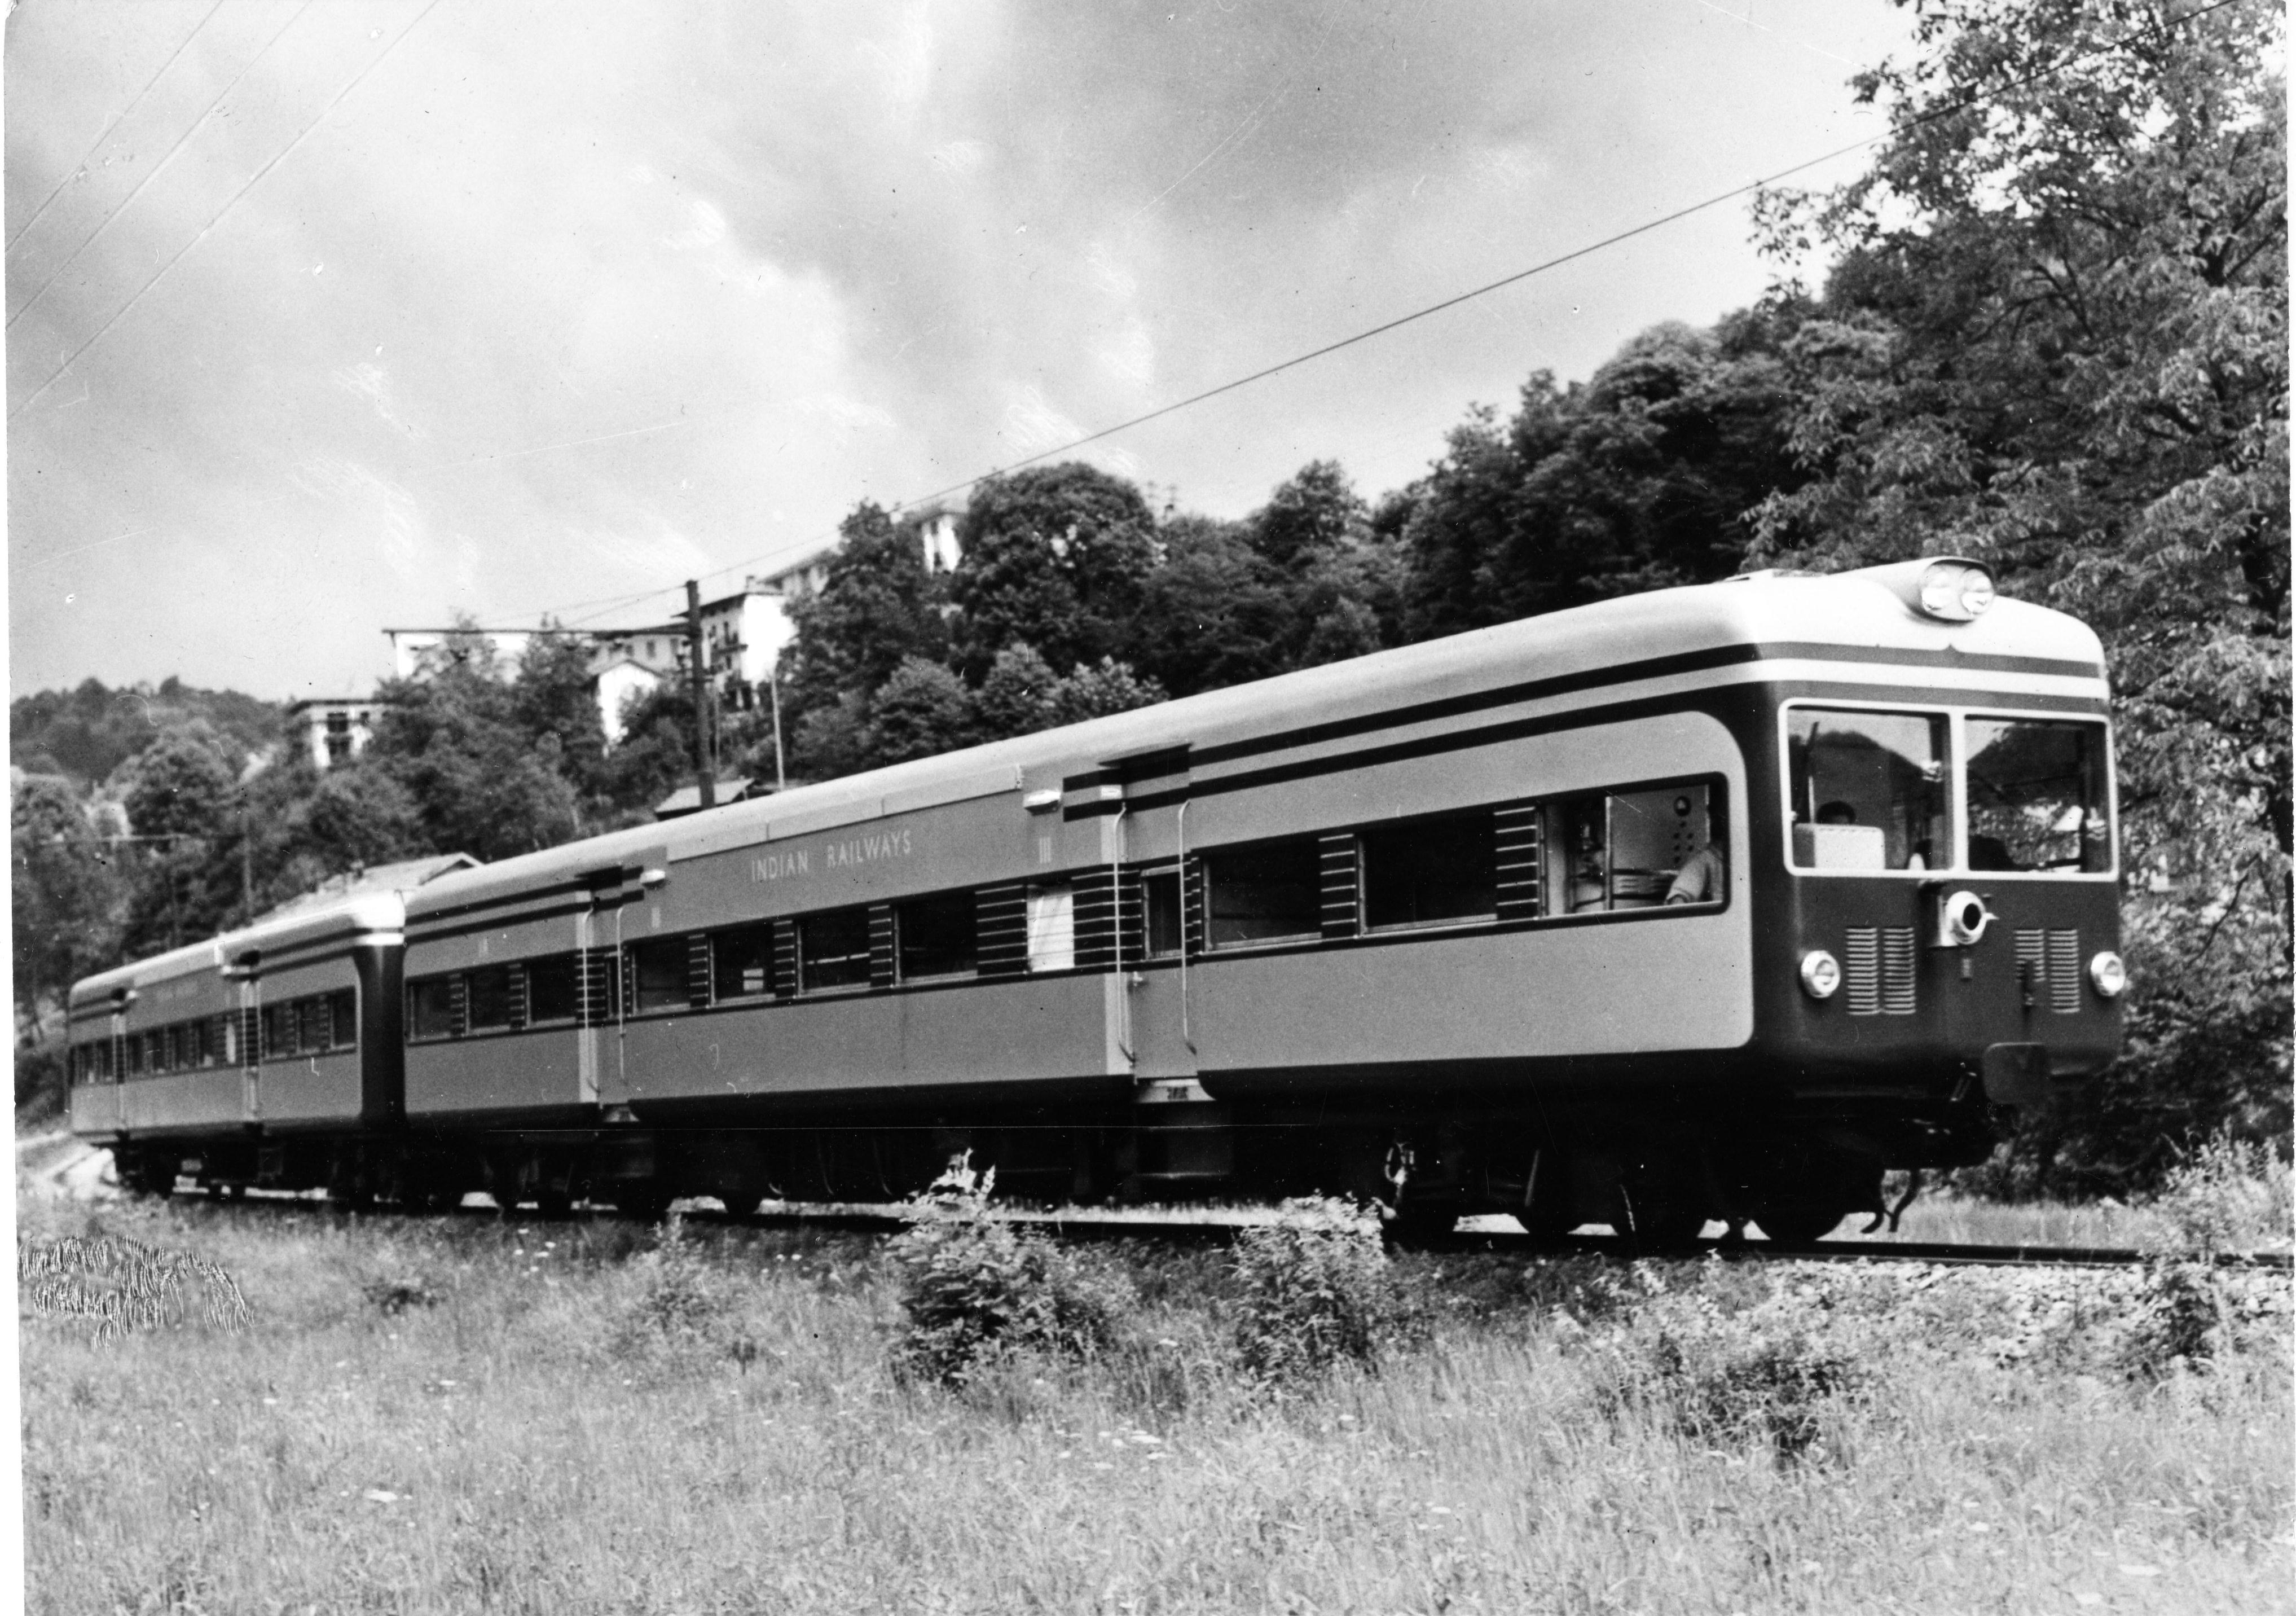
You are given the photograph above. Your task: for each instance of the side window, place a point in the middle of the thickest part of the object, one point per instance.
(1161, 892)
(430, 1008)
(657, 974)
(938, 937)
(550, 989)
(742, 963)
(1258, 895)
(1431, 872)
(342, 1008)
(318, 1019)
(278, 1032)
(1638, 849)
(487, 1003)
(1052, 927)
(834, 950)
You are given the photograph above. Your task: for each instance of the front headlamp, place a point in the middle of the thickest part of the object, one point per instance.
(1956, 591)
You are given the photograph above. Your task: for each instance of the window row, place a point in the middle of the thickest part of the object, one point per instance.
(1596, 853)
(319, 1023)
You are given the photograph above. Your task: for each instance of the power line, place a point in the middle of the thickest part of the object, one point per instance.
(158, 169)
(1960, 105)
(253, 181)
(134, 101)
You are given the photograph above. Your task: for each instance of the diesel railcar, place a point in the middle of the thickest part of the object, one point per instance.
(1710, 903)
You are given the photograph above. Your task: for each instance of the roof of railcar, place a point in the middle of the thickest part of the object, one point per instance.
(355, 915)
(1806, 612)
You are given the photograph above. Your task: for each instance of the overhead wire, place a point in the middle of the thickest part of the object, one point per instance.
(1959, 106)
(109, 130)
(159, 168)
(253, 181)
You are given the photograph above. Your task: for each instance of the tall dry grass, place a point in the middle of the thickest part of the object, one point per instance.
(463, 1415)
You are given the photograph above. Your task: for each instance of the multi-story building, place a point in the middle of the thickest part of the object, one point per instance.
(334, 729)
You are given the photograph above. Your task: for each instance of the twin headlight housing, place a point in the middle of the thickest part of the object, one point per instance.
(1954, 590)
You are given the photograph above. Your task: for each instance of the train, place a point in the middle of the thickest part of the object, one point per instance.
(1713, 903)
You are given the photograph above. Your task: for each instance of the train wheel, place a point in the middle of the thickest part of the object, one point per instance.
(641, 1202)
(1797, 1224)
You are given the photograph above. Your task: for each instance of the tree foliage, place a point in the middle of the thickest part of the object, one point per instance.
(63, 893)
(2055, 338)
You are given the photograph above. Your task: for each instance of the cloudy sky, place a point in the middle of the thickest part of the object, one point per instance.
(503, 307)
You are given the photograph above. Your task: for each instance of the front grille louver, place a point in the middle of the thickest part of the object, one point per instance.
(1877, 969)
(2051, 959)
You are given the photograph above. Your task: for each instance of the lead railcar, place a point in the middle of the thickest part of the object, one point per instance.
(1709, 903)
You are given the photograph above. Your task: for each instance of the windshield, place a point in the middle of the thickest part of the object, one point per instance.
(1869, 790)
(2037, 796)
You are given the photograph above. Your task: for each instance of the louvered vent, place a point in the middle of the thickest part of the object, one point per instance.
(2032, 963)
(2064, 972)
(1897, 971)
(1861, 971)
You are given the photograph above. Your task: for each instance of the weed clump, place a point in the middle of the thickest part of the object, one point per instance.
(2227, 1195)
(1317, 1290)
(680, 1303)
(1771, 1373)
(975, 1291)
(395, 1295)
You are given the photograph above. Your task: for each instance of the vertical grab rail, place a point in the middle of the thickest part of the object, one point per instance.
(1186, 1035)
(1116, 898)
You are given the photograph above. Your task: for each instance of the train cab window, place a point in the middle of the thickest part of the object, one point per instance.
(486, 1001)
(832, 950)
(742, 963)
(342, 1010)
(657, 974)
(1431, 872)
(1161, 892)
(2037, 796)
(430, 1007)
(938, 937)
(1869, 790)
(1264, 894)
(551, 989)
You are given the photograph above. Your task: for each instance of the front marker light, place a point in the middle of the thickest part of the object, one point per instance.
(2108, 975)
(1821, 974)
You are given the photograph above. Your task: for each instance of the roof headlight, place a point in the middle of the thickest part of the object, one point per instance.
(2108, 975)
(1956, 590)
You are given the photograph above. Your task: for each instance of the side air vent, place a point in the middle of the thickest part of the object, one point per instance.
(1861, 971)
(2064, 972)
(1898, 957)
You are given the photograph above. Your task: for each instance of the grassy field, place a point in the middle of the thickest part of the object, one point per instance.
(465, 1413)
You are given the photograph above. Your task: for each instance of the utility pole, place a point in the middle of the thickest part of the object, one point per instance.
(704, 773)
(781, 770)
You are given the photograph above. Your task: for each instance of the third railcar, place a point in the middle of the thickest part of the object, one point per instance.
(1713, 902)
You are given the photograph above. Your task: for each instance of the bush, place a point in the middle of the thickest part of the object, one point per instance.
(975, 1291)
(1317, 1289)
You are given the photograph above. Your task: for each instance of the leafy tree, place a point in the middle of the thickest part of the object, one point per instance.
(1641, 478)
(1214, 613)
(1096, 691)
(1054, 555)
(877, 605)
(88, 731)
(1312, 513)
(2056, 340)
(453, 740)
(63, 894)
(1016, 697)
(179, 794)
(921, 711)
(555, 694)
